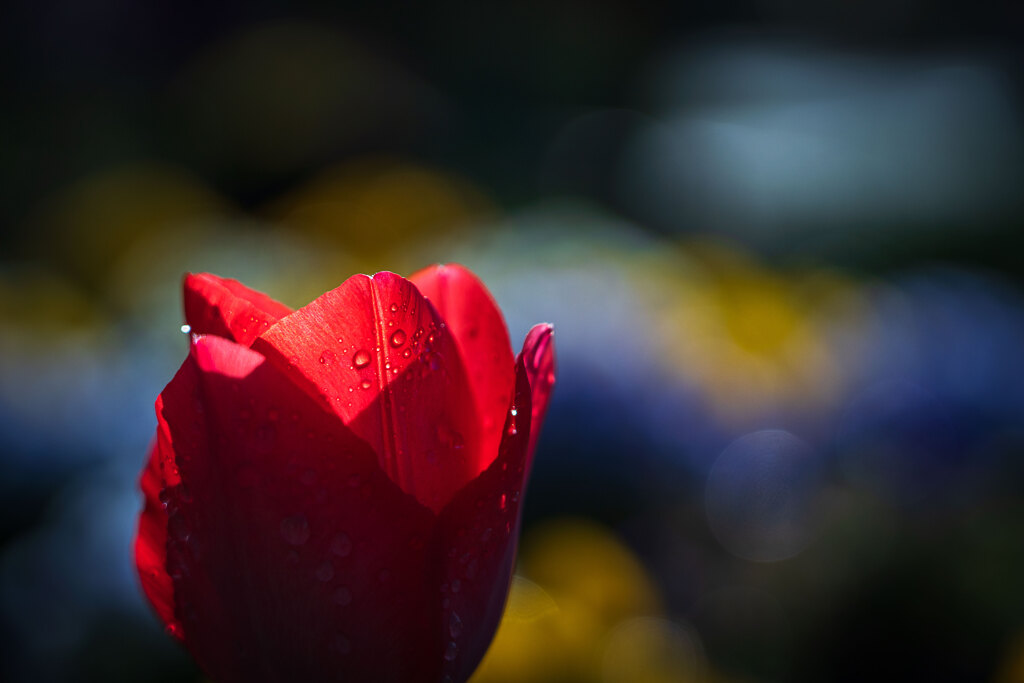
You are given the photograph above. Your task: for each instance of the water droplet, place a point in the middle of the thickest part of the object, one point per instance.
(327, 357)
(295, 530)
(366, 384)
(397, 338)
(361, 359)
(514, 412)
(451, 651)
(418, 334)
(341, 545)
(341, 644)
(455, 625)
(325, 572)
(343, 597)
(502, 501)
(185, 329)
(394, 308)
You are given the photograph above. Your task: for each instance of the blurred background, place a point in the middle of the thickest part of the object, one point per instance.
(780, 241)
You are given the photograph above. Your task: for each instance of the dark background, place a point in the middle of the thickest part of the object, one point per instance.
(780, 242)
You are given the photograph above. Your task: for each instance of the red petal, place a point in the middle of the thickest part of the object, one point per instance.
(538, 358)
(479, 329)
(293, 556)
(151, 543)
(478, 532)
(379, 355)
(227, 308)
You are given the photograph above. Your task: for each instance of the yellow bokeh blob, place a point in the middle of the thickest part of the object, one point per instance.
(751, 339)
(95, 221)
(582, 583)
(377, 210)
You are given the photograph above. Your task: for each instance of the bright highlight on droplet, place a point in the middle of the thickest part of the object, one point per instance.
(185, 329)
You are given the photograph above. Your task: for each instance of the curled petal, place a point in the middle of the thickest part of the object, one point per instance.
(479, 330)
(378, 354)
(538, 359)
(227, 308)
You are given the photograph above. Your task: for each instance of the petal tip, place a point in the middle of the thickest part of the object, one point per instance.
(538, 348)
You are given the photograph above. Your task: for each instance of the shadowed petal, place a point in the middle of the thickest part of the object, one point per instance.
(479, 329)
(292, 556)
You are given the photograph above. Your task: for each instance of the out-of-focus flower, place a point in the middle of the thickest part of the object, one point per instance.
(380, 209)
(95, 221)
(941, 384)
(59, 364)
(334, 493)
(756, 343)
(587, 612)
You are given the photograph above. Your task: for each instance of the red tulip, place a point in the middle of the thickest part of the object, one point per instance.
(334, 493)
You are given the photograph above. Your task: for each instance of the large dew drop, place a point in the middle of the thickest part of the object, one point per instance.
(361, 359)
(397, 338)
